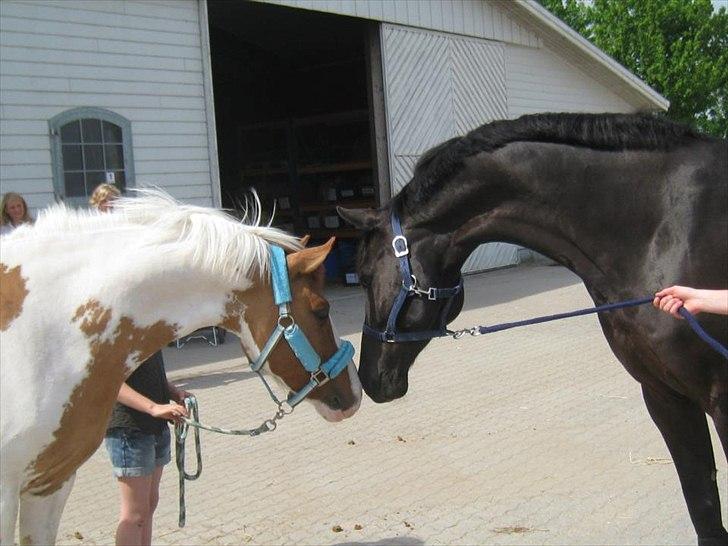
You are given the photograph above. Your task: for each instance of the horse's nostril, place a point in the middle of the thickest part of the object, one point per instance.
(335, 402)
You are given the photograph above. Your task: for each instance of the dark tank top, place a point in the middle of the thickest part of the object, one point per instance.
(150, 380)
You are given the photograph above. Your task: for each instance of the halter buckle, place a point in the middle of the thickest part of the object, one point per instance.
(400, 252)
(320, 377)
(389, 337)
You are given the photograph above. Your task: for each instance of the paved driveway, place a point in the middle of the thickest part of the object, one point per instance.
(531, 436)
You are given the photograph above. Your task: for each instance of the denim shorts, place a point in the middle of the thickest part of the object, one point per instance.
(134, 453)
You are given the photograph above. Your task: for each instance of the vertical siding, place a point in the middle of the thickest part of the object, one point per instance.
(539, 80)
(477, 18)
(141, 60)
(438, 86)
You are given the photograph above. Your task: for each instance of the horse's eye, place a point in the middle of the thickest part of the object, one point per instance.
(322, 313)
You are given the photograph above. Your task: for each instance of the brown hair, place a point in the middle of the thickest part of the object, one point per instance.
(103, 192)
(5, 217)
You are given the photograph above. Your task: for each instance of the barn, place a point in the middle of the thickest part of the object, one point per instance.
(311, 102)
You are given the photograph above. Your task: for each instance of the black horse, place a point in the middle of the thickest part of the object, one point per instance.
(630, 203)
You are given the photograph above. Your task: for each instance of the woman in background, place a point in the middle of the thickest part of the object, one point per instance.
(103, 196)
(14, 212)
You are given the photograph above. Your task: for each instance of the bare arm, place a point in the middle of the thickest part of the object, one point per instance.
(135, 400)
(693, 299)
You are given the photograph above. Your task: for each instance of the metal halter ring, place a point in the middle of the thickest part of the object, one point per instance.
(282, 319)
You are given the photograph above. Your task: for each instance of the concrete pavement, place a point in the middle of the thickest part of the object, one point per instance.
(531, 436)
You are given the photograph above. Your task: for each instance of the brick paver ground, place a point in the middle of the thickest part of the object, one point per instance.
(530, 436)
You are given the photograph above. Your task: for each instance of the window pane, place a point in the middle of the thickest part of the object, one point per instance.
(71, 132)
(74, 184)
(91, 130)
(72, 158)
(114, 157)
(120, 179)
(112, 133)
(93, 179)
(93, 158)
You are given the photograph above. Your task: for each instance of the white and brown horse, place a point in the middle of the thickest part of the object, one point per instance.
(86, 297)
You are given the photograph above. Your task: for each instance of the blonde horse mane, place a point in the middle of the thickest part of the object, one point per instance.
(216, 241)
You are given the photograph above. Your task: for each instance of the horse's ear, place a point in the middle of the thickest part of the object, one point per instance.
(308, 260)
(304, 240)
(364, 219)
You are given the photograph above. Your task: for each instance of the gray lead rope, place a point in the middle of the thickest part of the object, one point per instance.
(180, 434)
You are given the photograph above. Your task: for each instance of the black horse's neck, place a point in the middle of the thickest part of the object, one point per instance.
(565, 202)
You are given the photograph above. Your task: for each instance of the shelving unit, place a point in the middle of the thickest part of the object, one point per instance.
(308, 166)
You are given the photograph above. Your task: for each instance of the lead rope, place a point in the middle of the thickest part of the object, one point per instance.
(692, 322)
(180, 435)
(182, 428)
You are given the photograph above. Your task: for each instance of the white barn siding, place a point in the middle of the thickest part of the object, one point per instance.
(142, 60)
(539, 80)
(480, 19)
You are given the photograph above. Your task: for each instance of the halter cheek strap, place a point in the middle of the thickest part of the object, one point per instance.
(287, 329)
(408, 289)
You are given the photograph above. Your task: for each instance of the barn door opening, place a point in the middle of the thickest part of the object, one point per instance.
(294, 118)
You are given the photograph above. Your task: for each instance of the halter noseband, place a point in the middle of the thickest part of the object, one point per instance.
(294, 336)
(410, 288)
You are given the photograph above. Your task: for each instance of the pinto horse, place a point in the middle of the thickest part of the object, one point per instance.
(630, 203)
(86, 297)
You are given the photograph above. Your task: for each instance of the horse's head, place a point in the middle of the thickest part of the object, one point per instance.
(384, 365)
(336, 399)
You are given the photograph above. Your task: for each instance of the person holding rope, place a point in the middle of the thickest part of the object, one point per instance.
(137, 436)
(695, 300)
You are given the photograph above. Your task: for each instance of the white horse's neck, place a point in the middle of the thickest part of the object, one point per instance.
(103, 292)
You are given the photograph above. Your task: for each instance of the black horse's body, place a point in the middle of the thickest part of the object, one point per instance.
(629, 203)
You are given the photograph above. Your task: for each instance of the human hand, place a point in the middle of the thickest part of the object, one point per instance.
(671, 299)
(171, 412)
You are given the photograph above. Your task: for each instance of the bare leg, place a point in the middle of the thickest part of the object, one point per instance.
(153, 501)
(684, 427)
(134, 512)
(40, 515)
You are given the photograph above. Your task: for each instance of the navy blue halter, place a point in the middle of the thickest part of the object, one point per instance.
(410, 288)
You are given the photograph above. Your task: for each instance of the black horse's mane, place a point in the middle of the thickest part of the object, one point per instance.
(597, 131)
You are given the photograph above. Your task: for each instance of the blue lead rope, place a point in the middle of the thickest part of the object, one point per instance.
(702, 334)
(692, 322)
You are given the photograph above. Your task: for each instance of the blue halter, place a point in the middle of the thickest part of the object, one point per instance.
(294, 336)
(408, 289)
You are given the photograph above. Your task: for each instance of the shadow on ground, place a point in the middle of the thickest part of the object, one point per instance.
(208, 381)
(396, 541)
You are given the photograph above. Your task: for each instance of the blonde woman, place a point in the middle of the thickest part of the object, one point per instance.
(103, 196)
(14, 212)
(137, 436)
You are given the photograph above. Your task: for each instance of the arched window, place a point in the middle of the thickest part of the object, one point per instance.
(90, 146)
